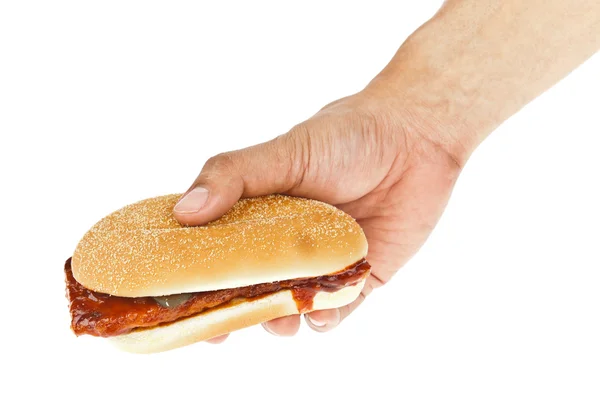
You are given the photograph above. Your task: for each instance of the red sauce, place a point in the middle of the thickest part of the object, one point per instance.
(104, 315)
(304, 297)
(304, 293)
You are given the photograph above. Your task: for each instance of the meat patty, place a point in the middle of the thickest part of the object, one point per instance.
(104, 315)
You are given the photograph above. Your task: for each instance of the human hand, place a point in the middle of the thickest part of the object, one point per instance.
(389, 155)
(365, 154)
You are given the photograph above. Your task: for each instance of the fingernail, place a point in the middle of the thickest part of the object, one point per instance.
(266, 326)
(315, 322)
(193, 201)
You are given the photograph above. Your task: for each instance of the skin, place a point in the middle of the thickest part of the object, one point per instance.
(391, 154)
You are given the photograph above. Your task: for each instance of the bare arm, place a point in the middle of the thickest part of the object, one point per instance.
(476, 62)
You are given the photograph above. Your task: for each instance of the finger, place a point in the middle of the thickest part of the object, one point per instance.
(271, 167)
(349, 308)
(284, 326)
(326, 320)
(217, 339)
(323, 320)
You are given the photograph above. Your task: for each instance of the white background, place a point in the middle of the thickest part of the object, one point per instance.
(106, 103)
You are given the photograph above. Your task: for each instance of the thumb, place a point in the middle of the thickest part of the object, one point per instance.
(271, 167)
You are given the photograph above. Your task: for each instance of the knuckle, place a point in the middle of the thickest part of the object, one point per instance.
(298, 148)
(220, 163)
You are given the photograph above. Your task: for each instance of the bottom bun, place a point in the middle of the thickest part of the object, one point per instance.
(228, 319)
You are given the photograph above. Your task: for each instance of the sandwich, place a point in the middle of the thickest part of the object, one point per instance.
(147, 284)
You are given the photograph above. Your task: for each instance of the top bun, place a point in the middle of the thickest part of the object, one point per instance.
(141, 250)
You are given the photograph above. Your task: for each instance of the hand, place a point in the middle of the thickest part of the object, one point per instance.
(390, 155)
(367, 155)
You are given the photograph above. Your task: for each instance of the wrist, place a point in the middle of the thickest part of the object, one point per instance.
(431, 106)
(444, 103)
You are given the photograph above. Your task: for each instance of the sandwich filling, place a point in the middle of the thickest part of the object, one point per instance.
(104, 315)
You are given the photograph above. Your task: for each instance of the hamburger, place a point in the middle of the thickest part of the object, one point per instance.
(147, 284)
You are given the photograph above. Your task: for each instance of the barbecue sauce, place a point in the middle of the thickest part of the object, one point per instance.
(304, 294)
(104, 315)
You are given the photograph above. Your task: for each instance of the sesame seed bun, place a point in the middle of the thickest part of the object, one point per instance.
(141, 250)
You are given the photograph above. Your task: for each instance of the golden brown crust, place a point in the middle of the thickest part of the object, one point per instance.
(141, 250)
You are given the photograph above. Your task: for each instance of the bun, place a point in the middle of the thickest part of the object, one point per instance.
(141, 250)
(228, 319)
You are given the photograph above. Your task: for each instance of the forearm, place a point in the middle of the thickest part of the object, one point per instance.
(476, 63)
